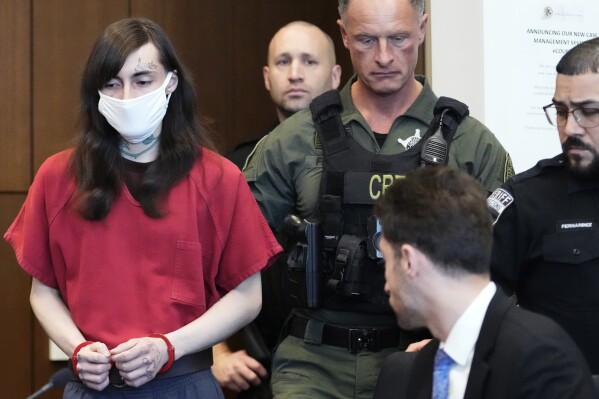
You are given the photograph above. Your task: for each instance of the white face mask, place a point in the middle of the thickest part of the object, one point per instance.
(136, 119)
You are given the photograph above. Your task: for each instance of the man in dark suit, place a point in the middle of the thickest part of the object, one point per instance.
(436, 242)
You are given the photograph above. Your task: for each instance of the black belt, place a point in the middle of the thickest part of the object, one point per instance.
(184, 365)
(354, 339)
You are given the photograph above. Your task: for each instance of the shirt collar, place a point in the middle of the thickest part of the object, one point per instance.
(464, 334)
(424, 105)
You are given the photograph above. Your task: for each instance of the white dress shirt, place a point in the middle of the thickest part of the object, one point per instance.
(462, 339)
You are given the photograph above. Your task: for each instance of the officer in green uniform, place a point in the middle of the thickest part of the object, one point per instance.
(336, 350)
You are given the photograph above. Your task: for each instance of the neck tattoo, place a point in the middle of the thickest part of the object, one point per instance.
(150, 142)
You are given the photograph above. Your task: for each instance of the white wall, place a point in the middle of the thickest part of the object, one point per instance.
(499, 57)
(454, 59)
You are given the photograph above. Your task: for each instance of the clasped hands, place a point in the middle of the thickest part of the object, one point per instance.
(137, 360)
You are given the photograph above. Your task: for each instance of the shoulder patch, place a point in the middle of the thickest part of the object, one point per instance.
(498, 202)
(508, 168)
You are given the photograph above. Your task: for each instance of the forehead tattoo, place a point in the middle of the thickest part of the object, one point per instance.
(144, 66)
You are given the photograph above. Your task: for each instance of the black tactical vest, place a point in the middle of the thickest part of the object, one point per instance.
(353, 178)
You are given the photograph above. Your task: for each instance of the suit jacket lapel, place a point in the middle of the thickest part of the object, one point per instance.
(421, 377)
(498, 307)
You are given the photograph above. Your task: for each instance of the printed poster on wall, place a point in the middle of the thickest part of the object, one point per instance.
(523, 42)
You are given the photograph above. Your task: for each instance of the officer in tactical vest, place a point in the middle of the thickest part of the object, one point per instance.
(318, 174)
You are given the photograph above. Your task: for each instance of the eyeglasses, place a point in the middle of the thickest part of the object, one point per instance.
(585, 117)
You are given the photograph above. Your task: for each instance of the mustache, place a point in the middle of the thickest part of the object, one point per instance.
(575, 142)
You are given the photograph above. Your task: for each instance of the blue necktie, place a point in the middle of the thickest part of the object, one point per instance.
(443, 364)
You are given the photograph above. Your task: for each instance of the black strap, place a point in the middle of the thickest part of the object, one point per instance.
(354, 339)
(326, 113)
(456, 112)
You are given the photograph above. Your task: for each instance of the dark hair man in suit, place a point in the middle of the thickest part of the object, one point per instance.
(436, 242)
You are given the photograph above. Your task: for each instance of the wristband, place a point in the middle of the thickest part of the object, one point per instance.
(74, 360)
(171, 352)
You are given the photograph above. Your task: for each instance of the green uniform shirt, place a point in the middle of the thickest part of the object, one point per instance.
(285, 168)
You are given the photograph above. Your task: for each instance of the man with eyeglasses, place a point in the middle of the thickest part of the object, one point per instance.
(546, 235)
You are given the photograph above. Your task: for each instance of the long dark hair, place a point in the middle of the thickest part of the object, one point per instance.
(97, 163)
